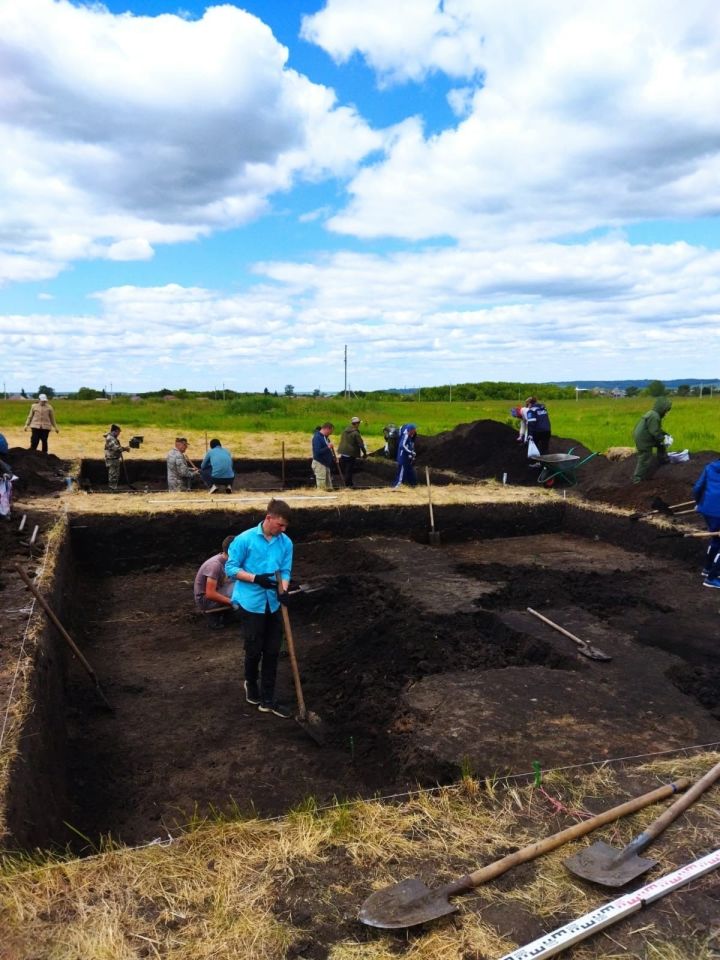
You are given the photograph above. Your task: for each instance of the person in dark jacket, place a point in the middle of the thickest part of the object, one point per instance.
(406, 457)
(649, 435)
(323, 456)
(707, 496)
(350, 449)
(537, 422)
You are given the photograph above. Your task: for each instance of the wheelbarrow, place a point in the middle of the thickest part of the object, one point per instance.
(560, 466)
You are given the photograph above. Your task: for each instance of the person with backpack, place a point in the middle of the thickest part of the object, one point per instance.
(649, 435)
(537, 421)
(706, 493)
(406, 457)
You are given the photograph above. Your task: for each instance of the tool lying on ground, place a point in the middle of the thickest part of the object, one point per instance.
(695, 533)
(586, 649)
(550, 944)
(410, 902)
(603, 864)
(433, 534)
(659, 506)
(63, 633)
(309, 721)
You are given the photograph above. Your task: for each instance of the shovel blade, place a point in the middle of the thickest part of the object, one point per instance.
(434, 538)
(605, 865)
(405, 904)
(313, 727)
(594, 654)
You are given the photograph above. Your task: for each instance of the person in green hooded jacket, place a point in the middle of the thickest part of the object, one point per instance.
(649, 435)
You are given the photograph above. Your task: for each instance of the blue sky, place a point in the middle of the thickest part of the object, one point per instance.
(467, 190)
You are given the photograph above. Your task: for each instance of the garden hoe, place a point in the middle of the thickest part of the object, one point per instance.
(586, 649)
(309, 721)
(433, 534)
(603, 864)
(410, 902)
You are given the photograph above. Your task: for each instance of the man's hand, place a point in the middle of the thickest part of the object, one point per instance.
(265, 580)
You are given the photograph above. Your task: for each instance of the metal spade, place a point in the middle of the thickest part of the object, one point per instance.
(610, 867)
(411, 902)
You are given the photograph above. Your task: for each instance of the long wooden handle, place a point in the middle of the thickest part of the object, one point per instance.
(291, 655)
(432, 518)
(686, 503)
(673, 812)
(571, 833)
(63, 632)
(556, 626)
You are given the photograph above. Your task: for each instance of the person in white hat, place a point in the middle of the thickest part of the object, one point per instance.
(40, 421)
(350, 449)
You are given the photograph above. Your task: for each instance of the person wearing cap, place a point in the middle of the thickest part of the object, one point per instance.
(323, 456)
(406, 457)
(40, 421)
(350, 449)
(113, 456)
(181, 471)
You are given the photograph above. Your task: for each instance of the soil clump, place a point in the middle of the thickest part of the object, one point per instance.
(38, 473)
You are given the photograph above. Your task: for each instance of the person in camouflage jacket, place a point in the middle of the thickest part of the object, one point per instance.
(113, 456)
(649, 435)
(181, 471)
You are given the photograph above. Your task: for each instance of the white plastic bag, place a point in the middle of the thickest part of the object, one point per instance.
(682, 457)
(533, 451)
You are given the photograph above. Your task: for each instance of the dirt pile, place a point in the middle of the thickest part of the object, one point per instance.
(487, 449)
(37, 472)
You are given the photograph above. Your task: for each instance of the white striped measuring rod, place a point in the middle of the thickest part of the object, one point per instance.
(553, 943)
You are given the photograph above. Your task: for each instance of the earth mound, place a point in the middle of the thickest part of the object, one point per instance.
(37, 472)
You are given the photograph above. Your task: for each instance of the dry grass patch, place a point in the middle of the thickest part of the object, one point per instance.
(260, 890)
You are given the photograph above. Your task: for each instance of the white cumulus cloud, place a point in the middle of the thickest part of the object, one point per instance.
(118, 132)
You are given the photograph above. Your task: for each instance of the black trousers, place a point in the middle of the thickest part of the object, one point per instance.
(347, 468)
(263, 636)
(39, 436)
(542, 440)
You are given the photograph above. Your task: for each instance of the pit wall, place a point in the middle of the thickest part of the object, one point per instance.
(34, 795)
(297, 471)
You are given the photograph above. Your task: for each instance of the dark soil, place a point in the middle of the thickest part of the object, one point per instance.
(183, 741)
(487, 449)
(38, 473)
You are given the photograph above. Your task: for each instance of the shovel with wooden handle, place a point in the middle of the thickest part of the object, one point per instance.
(309, 721)
(659, 506)
(433, 534)
(586, 649)
(604, 864)
(410, 902)
(64, 634)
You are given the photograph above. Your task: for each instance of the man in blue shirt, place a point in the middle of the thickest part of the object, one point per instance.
(217, 467)
(253, 558)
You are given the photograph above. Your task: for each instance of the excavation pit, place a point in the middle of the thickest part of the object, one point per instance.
(150, 476)
(422, 661)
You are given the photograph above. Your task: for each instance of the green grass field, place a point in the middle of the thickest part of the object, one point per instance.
(598, 423)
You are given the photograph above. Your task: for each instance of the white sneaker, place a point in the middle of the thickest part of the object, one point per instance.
(213, 489)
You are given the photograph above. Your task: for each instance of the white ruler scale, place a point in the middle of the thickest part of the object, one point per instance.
(553, 943)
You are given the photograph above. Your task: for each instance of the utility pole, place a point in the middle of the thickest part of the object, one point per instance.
(111, 392)
(450, 393)
(345, 391)
(223, 391)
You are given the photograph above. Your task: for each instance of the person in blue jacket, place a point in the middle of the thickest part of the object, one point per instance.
(253, 559)
(323, 456)
(406, 457)
(706, 492)
(217, 467)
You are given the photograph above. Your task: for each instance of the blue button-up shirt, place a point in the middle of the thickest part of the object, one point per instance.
(252, 552)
